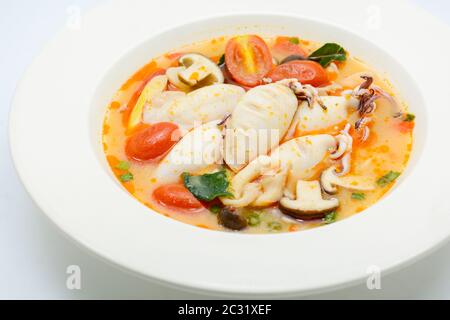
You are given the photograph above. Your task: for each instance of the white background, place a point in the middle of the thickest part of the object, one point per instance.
(34, 255)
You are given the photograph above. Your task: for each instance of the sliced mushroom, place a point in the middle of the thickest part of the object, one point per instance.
(258, 123)
(199, 69)
(329, 181)
(309, 203)
(172, 75)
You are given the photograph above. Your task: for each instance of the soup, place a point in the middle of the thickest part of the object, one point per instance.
(257, 134)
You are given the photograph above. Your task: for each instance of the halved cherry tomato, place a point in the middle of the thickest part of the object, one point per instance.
(176, 196)
(284, 46)
(134, 98)
(307, 72)
(152, 142)
(248, 59)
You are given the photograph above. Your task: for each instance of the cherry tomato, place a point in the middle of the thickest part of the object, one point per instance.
(152, 141)
(307, 72)
(134, 98)
(284, 46)
(176, 196)
(248, 59)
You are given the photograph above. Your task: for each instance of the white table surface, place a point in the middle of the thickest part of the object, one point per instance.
(34, 255)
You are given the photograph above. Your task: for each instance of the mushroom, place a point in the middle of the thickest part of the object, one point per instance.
(231, 219)
(329, 181)
(309, 203)
(198, 70)
(172, 75)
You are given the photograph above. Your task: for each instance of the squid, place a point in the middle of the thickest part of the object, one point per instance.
(303, 157)
(267, 178)
(325, 113)
(203, 105)
(199, 151)
(258, 123)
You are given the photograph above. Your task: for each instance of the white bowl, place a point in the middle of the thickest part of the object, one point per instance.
(55, 135)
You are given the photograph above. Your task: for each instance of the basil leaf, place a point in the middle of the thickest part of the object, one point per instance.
(388, 178)
(330, 217)
(208, 186)
(126, 177)
(328, 53)
(358, 196)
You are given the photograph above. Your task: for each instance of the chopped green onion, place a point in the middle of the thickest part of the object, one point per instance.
(123, 165)
(253, 220)
(409, 117)
(388, 178)
(274, 226)
(215, 208)
(126, 177)
(294, 40)
(358, 196)
(330, 217)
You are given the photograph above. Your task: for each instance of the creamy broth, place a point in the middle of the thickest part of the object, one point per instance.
(387, 149)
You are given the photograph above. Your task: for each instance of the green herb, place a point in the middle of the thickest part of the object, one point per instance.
(274, 226)
(215, 208)
(358, 196)
(254, 219)
(330, 217)
(409, 117)
(126, 177)
(328, 53)
(123, 165)
(388, 178)
(294, 40)
(208, 186)
(221, 60)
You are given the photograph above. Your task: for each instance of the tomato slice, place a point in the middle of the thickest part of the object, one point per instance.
(248, 59)
(176, 196)
(307, 72)
(285, 46)
(152, 142)
(135, 97)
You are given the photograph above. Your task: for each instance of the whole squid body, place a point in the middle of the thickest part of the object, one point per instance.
(258, 123)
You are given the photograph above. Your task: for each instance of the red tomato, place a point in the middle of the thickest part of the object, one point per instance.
(137, 93)
(248, 59)
(307, 72)
(152, 141)
(176, 196)
(284, 47)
